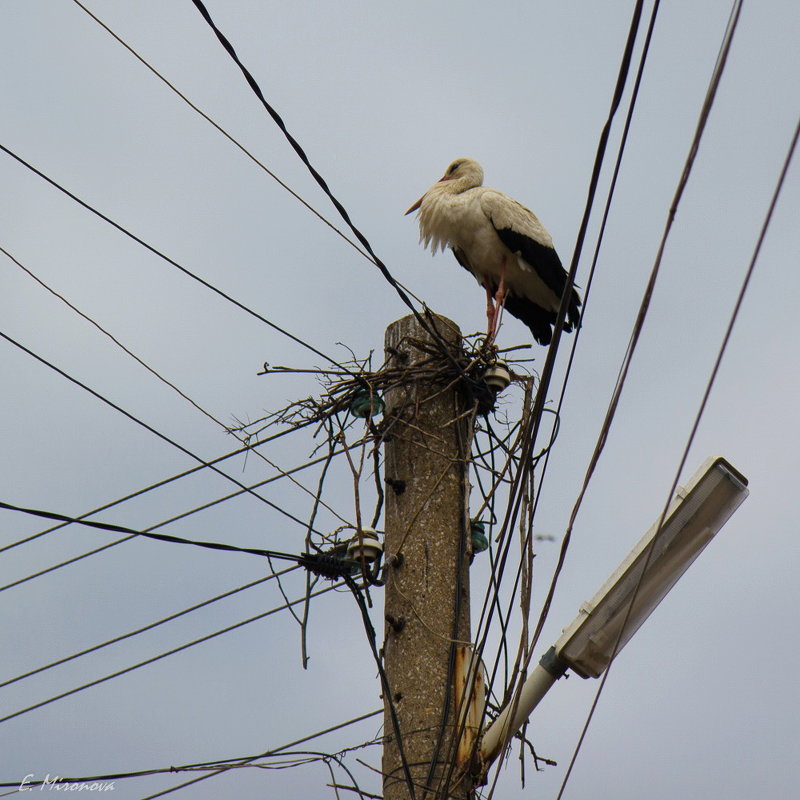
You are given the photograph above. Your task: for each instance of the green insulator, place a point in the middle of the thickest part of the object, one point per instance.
(480, 542)
(367, 405)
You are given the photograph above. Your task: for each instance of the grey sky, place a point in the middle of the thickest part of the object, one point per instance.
(382, 96)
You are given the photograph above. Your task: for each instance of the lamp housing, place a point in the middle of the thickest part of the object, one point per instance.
(607, 622)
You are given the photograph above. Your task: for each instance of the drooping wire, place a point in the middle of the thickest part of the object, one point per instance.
(166, 481)
(169, 521)
(610, 195)
(210, 765)
(592, 269)
(529, 434)
(645, 302)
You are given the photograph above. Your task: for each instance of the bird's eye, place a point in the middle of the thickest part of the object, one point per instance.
(453, 167)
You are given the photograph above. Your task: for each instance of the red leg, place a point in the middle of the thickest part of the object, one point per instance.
(499, 300)
(490, 309)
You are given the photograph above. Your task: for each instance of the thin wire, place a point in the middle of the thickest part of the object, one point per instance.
(166, 481)
(645, 303)
(695, 425)
(153, 659)
(182, 515)
(172, 262)
(151, 429)
(595, 258)
(147, 627)
(161, 378)
(609, 198)
(269, 752)
(225, 133)
(230, 762)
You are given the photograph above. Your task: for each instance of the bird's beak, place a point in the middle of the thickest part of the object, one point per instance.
(415, 206)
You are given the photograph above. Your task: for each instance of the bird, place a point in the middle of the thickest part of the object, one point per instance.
(502, 244)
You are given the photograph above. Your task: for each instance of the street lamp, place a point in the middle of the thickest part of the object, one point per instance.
(607, 622)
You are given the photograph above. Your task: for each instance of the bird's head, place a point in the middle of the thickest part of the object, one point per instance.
(462, 174)
(467, 170)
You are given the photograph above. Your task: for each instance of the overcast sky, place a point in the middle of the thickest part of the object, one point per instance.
(703, 702)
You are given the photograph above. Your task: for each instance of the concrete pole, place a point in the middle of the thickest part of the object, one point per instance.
(427, 545)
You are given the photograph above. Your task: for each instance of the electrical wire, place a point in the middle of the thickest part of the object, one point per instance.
(170, 520)
(592, 269)
(225, 133)
(538, 493)
(161, 378)
(152, 430)
(171, 261)
(254, 758)
(430, 329)
(166, 481)
(696, 424)
(161, 537)
(531, 428)
(645, 302)
(148, 627)
(160, 656)
(210, 765)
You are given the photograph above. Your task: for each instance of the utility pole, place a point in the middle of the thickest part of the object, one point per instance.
(427, 546)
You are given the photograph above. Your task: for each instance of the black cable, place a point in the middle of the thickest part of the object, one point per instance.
(152, 430)
(157, 374)
(430, 329)
(532, 428)
(174, 650)
(172, 262)
(216, 125)
(161, 537)
(623, 141)
(621, 149)
(163, 523)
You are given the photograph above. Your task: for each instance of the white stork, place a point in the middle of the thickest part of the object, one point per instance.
(502, 244)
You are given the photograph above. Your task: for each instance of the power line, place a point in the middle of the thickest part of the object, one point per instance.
(529, 431)
(171, 261)
(166, 481)
(171, 652)
(160, 377)
(620, 152)
(225, 133)
(151, 429)
(182, 515)
(648, 292)
(429, 328)
(210, 765)
(161, 537)
(703, 402)
(145, 628)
